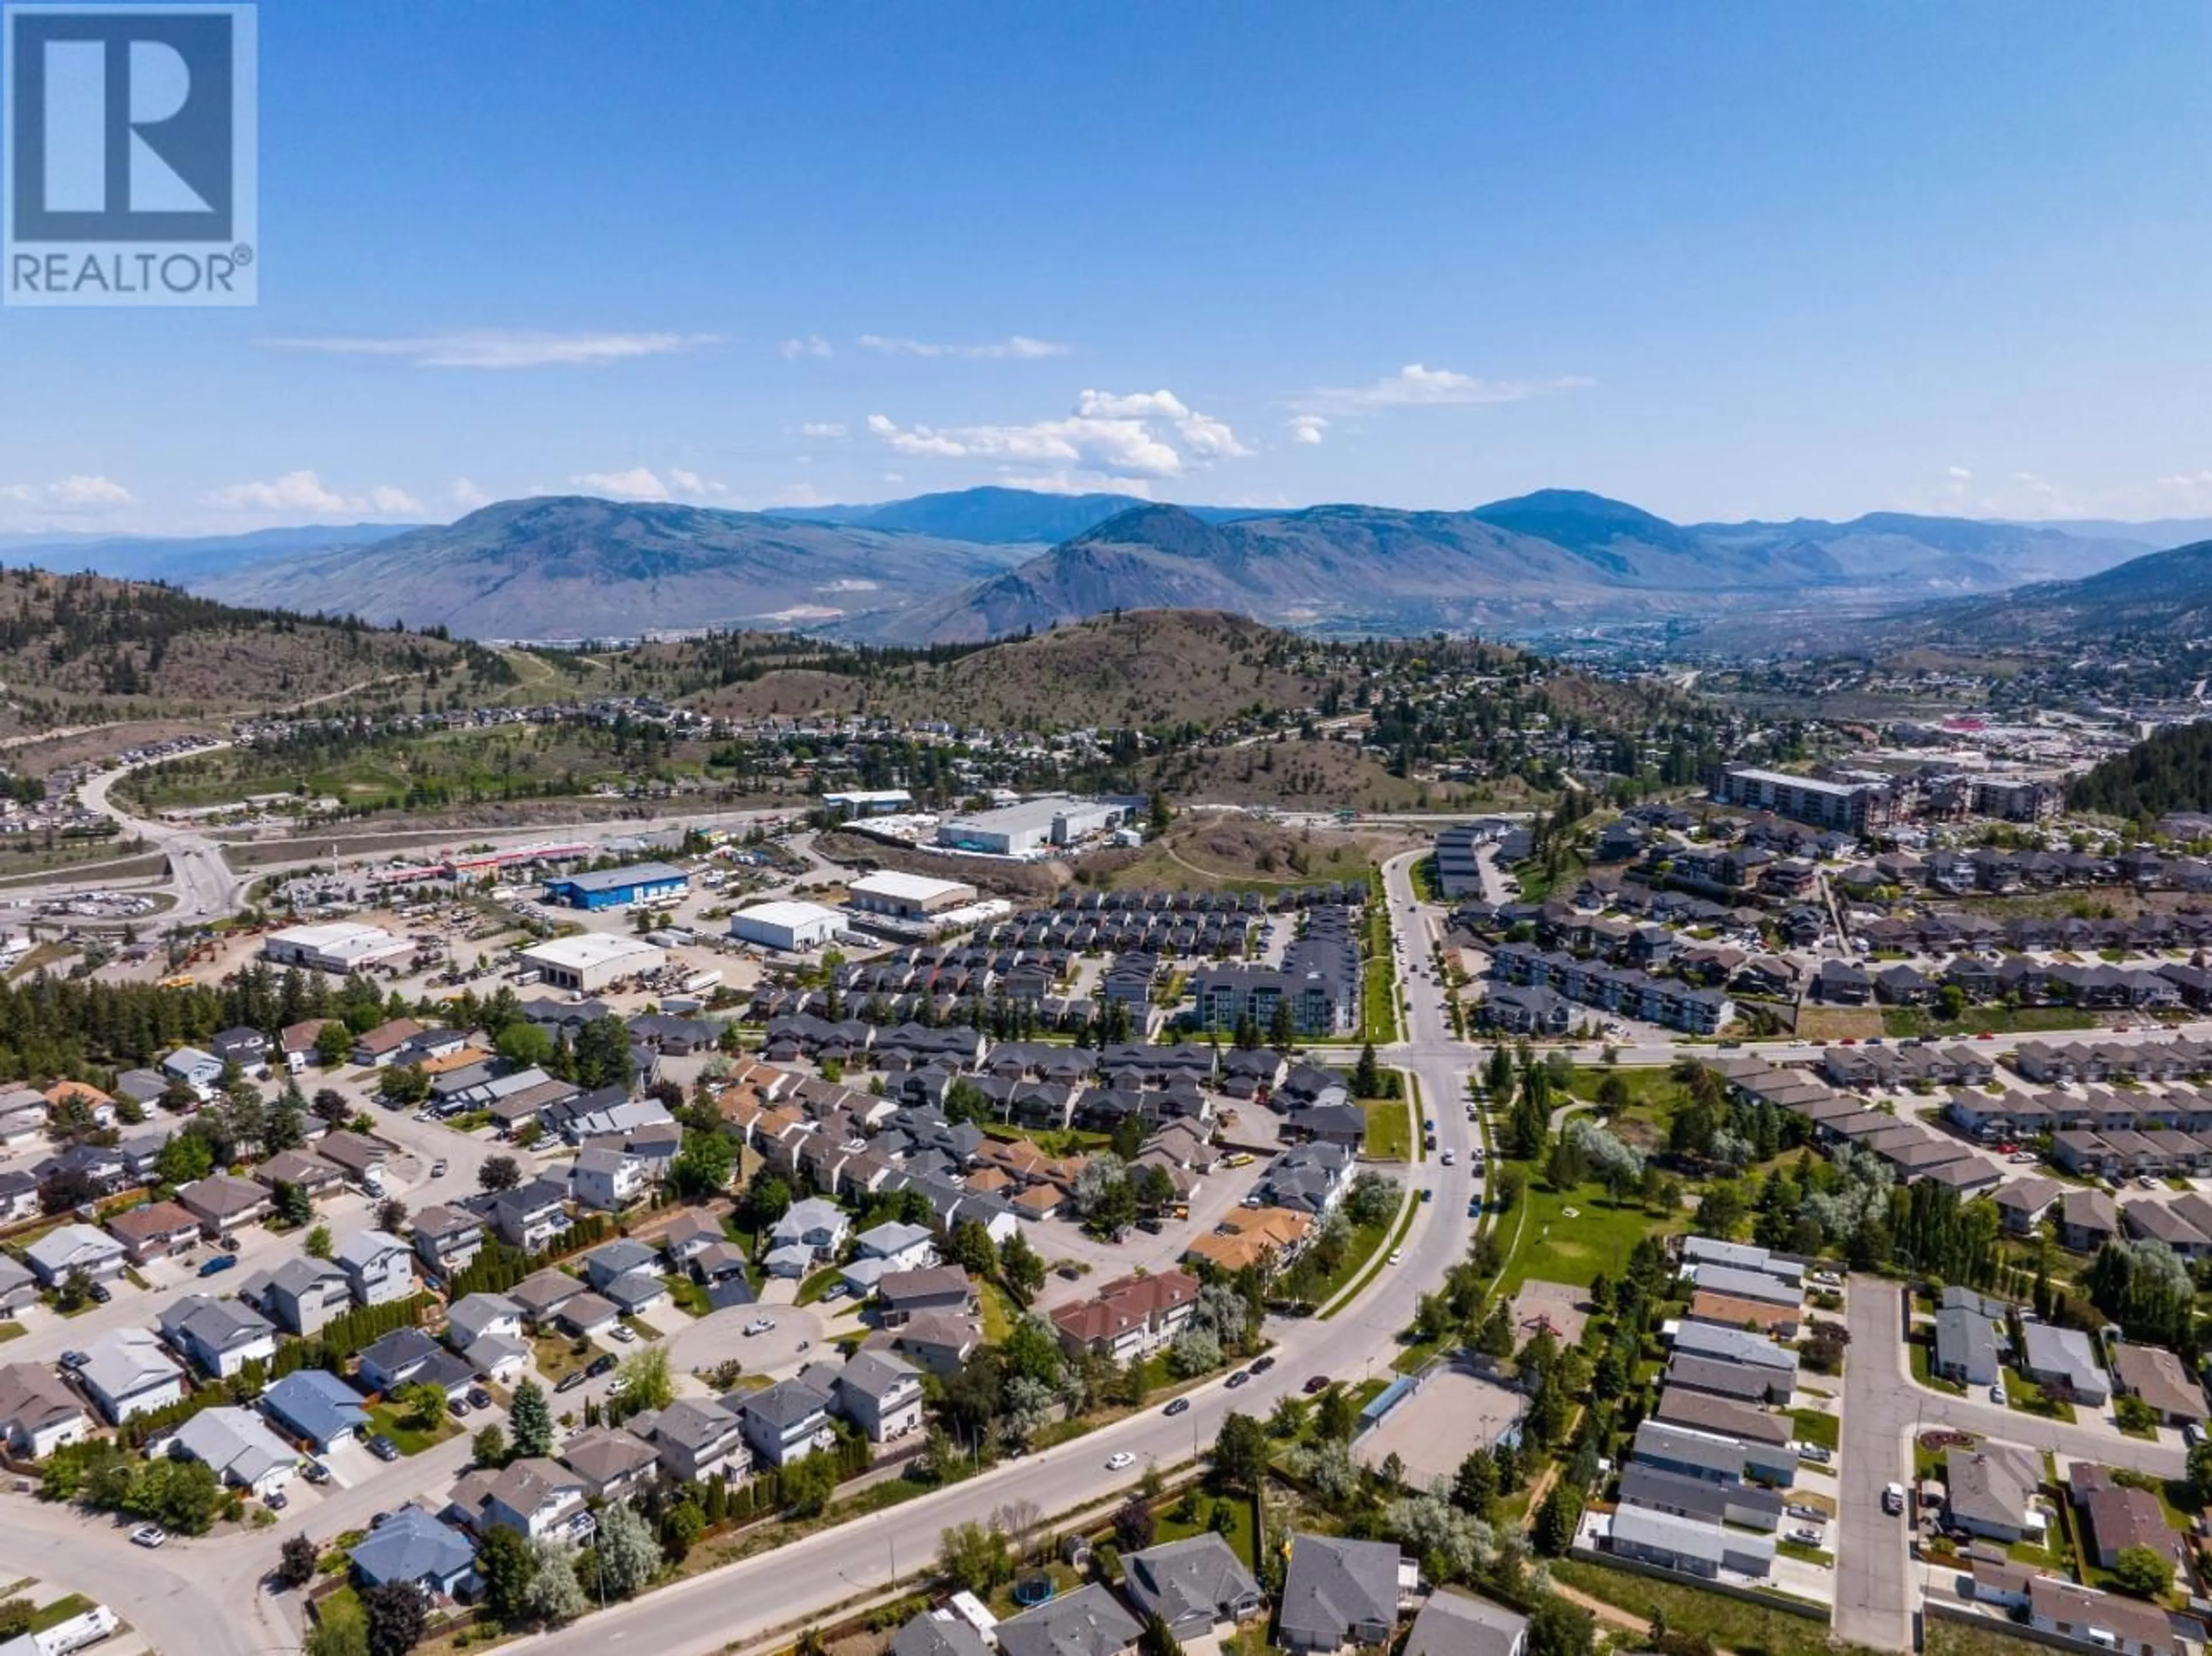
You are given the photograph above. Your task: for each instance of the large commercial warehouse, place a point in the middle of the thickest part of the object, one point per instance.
(619, 888)
(590, 961)
(791, 927)
(1024, 829)
(339, 947)
(909, 896)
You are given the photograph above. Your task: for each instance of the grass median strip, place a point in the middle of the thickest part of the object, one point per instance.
(1377, 1255)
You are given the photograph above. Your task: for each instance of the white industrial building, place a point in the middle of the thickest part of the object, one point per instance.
(1028, 828)
(790, 925)
(908, 897)
(339, 946)
(590, 961)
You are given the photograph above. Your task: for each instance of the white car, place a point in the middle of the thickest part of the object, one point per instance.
(1997, 1393)
(760, 1325)
(1448, 1158)
(622, 1332)
(1397, 1257)
(1892, 1499)
(1806, 1536)
(149, 1535)
(1120, 1460)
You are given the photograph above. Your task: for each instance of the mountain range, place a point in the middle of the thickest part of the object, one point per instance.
(988, 562)
(2164, 595)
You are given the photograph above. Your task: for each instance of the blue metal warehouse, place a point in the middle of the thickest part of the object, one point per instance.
(618, 888)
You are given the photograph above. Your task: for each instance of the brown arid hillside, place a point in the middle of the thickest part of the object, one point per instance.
(1316, 774)
(1142, 670)
(81, 650)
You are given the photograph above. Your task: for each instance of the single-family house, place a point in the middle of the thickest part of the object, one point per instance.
(1197, 1586)
(697, 1438)
(68, 1251)
(224, 1203)
(879, 1394)
(218, 1336)
(37, 1413)
(1337, 1592)
(302, 1295)
(784, 1422)
(159, 1230)
(1089, 1622)
(315, 1407)
(378, 1267)
(446, 1239)
(414, 1548)
(612, 1462)
(238, 1447)
(127, 1373)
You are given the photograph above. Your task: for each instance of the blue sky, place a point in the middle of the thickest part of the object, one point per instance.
(1720, 261)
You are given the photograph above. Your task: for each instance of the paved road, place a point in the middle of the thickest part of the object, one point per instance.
(1883, 1408)
(205, 885)
(1873, 1602)
(205, 1597)
(749, 1600)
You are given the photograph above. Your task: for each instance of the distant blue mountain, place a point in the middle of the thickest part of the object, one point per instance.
(187, 559)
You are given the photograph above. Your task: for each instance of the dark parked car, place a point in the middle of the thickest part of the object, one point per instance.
(478, 1398)
(1239, 1378)
(571, 1380)
(1318, 1383)
(1261, 1365)
(383, 1448)
(221, 1262)
(602, 1363)
(101, 1294)
(229, 1245)
(1180, 1406)
(457, 1407)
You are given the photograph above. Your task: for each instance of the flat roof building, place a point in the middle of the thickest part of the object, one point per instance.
(618, 888)
(592, 960)
(1025, 829)
(789, 925)
(339, 947)
(911, 896)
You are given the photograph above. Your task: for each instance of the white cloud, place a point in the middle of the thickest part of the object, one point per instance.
(1958, 472)
(1014, 347)
(1076, 482)
(1111, 436)
(642, 483)
(812, 345)
(799, 494)
(1134, 405)
(1306, 427)
(77, 492)
(823, 428)
(467, 496)
(1415, 386)
(637, 484)
(303, 491)
(501, 348)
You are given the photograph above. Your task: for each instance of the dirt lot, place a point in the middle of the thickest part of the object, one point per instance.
(1202, 851)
